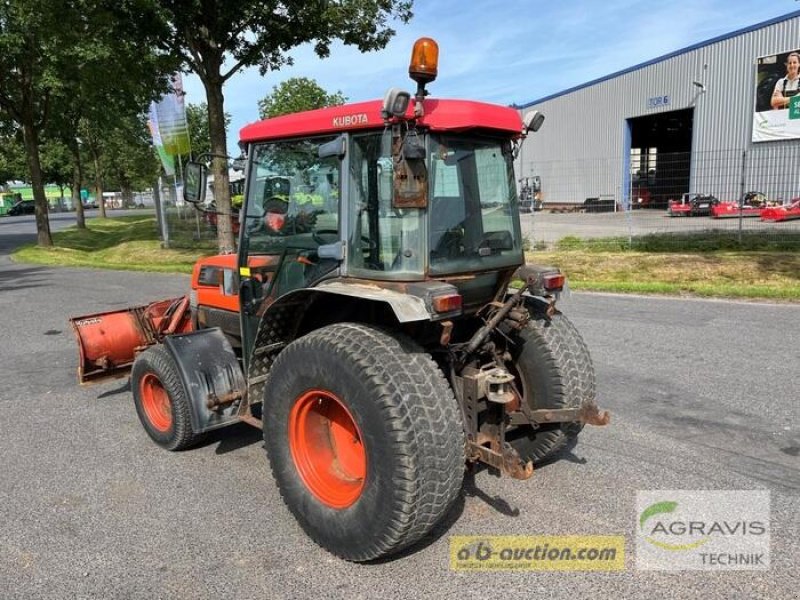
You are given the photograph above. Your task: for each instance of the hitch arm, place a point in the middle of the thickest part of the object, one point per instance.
(588, 413)
(480, 336)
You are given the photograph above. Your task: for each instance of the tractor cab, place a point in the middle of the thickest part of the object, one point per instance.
(400, 203)
(394, 211)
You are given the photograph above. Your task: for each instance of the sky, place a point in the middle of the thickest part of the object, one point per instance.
(506, 52)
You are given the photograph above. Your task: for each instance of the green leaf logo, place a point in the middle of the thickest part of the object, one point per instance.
(661, 508)
(656, 509)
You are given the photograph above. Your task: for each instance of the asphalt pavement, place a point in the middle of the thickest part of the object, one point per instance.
(703, 396)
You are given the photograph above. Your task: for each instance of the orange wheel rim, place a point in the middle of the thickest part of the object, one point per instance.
(155, 402)
(327, 448)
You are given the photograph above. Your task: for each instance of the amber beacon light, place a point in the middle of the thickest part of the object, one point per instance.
(424, 61)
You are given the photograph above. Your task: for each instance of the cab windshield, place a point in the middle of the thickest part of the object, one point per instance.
(472, 202)
(469, 223)
(293, 197)
(292, 209)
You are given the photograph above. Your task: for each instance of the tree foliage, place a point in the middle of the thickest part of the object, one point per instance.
(13, 166)
(120, 41)
(197, 119)
(295, 95)
(33, 46)
(128, 160)
(70, 62)
(217, 38)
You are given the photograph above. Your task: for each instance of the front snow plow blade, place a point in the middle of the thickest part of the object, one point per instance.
(109, 342)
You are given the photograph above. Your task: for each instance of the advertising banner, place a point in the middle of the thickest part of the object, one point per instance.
(152, 124)
(777, 103)
(171, 118)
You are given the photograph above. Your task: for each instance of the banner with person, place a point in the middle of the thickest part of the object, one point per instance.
(777, 101)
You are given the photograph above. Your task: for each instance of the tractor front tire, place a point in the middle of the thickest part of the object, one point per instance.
(555, 371)
(161, 400)
(364, 438)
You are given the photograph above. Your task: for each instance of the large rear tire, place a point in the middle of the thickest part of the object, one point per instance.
(161, 400)
(364, 438)
(555, 371)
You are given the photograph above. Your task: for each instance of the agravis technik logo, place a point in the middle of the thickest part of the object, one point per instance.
(702, 529)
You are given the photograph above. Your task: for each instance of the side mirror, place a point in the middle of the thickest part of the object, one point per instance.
(194, 185)
(395, 103)
(533, 121)
(240, 164)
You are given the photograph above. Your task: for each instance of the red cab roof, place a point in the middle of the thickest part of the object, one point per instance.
(440, 115)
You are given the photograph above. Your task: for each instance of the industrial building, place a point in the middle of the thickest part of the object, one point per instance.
(700, 119)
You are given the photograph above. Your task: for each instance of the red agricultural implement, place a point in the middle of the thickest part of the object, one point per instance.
(788, 212)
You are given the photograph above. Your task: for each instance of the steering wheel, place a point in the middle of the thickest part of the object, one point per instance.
(317, 236)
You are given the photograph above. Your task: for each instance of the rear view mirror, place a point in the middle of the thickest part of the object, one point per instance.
(194, 185)
(395, 103)
(533, 121)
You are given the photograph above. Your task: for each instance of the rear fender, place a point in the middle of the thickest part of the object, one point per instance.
(211, 375)
(281, 320)
(287, 318)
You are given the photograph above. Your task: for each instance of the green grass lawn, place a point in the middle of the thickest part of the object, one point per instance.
(701, 265)
(123, 243)
(763, 274)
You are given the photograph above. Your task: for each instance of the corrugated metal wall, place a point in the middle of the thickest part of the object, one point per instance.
(581, 152)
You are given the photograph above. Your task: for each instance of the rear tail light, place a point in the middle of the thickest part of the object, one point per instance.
(445, 304)
(553, 282)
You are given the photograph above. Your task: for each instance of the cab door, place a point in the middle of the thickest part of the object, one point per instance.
(292, 208)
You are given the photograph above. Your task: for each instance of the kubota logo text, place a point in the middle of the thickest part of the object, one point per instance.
(351, 120)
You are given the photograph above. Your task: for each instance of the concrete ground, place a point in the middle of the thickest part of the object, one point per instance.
(545, 226)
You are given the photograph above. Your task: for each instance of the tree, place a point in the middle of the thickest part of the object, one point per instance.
(128, 158)
(64, 53)
(197, 119)
(119, 40)
(32, 43)
(295, 95)
(260, 33)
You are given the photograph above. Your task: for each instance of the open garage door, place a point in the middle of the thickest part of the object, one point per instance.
(660, 157)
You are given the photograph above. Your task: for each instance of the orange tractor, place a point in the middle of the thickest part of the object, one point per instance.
(378, 321)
